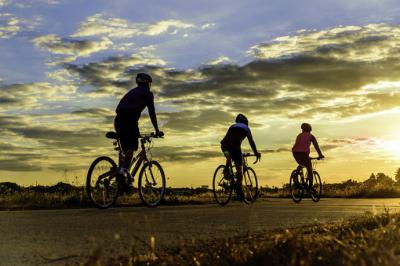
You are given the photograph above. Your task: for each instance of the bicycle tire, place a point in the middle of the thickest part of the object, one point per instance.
(253, 184)
(221, 187)
(108, 177)
(295, 192)
(317, 186)
(146, 192)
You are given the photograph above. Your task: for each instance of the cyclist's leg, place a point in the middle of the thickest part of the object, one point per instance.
(308, 165)
(128, 133)
(237, 158)
(228, 159)
(299, 157)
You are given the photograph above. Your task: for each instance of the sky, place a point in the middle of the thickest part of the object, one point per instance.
(64, 66)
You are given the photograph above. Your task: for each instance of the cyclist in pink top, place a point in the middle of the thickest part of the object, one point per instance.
(301, 149)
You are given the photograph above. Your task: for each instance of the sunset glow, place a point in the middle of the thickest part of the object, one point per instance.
(65, 65)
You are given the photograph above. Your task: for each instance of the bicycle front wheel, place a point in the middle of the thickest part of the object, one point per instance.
(296, 188)
(316, 189)
(222, 188)
(250, 186)
(151, 184)
(101, 183)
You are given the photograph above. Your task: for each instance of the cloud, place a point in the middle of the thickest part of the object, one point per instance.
(18, 165)
(349, 43)
(9, 25)
(27, 96)
(112, 75)
(184, 153)
(71, 49)
(27, 3)
(98, 24)
(344, 143)
(220, 60)
(196, 120)
(306, 84)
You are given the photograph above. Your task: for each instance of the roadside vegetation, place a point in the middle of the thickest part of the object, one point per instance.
(63, 195)
(370, 240)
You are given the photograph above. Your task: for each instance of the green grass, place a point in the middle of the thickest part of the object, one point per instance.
(370, 240)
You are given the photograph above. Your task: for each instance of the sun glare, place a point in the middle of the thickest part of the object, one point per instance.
(393, 148)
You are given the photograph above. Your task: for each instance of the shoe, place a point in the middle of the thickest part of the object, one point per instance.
(239, 193)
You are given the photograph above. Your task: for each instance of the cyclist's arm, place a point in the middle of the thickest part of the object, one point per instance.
(152, 111)
(251, 141)
(316, 146)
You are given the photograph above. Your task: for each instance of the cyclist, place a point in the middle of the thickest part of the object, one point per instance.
(128, 112)
(230, 146)
(301, 150)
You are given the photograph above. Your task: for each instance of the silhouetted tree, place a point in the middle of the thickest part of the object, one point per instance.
(397, 176)
(383, 179)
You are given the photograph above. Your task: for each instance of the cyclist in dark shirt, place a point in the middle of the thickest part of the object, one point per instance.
(128, 112)
(231, 146)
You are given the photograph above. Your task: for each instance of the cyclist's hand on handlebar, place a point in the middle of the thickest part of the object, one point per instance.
(321, 156)
(258, 155)
(159, 134)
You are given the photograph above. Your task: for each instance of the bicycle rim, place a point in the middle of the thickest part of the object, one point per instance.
(296, 189)
(316, 187)
(250, 186)
(222, 188)
(151, 184)
(101, 183)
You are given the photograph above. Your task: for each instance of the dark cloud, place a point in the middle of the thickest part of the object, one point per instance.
(18, 165)
(196, 121)
(83, 139)
(184, 153)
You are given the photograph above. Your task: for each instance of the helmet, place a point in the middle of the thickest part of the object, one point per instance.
(241, 118)
(306, 127)
(143, 78)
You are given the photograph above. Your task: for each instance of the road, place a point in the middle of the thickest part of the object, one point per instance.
(61, 237)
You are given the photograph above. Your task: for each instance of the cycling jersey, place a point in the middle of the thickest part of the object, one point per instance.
(128, 112)
(303, 142)
(135, 101)
(235, 135)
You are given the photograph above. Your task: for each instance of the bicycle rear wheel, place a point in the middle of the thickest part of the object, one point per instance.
(222, 188)
(101, 183)
(151, 184)
(316, 189)
(250, 186)
(296, 188)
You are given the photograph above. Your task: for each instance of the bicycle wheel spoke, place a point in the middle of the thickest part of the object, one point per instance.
(296, 185)
(151, 184)
(250, 185)
(222, 189)
(100, 182)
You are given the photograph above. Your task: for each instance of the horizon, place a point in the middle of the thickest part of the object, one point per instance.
(66, 65)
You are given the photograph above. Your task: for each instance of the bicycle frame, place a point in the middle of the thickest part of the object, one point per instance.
(139, 159)
(300, 168)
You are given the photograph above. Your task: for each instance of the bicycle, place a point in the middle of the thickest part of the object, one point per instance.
(298, 183)
(103, 183)
(224, 182)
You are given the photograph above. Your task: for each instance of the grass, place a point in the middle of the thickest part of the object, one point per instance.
(63, 196)
(370, 240)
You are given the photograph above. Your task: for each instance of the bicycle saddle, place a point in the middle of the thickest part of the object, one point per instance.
(112, 135)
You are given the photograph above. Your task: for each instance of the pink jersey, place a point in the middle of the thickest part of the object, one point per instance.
(303, 142)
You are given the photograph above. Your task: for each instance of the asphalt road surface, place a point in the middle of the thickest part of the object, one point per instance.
(59, 237)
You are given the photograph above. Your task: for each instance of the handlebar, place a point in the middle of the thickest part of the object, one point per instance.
(251, 155)
(148, 137)
(316, 158)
